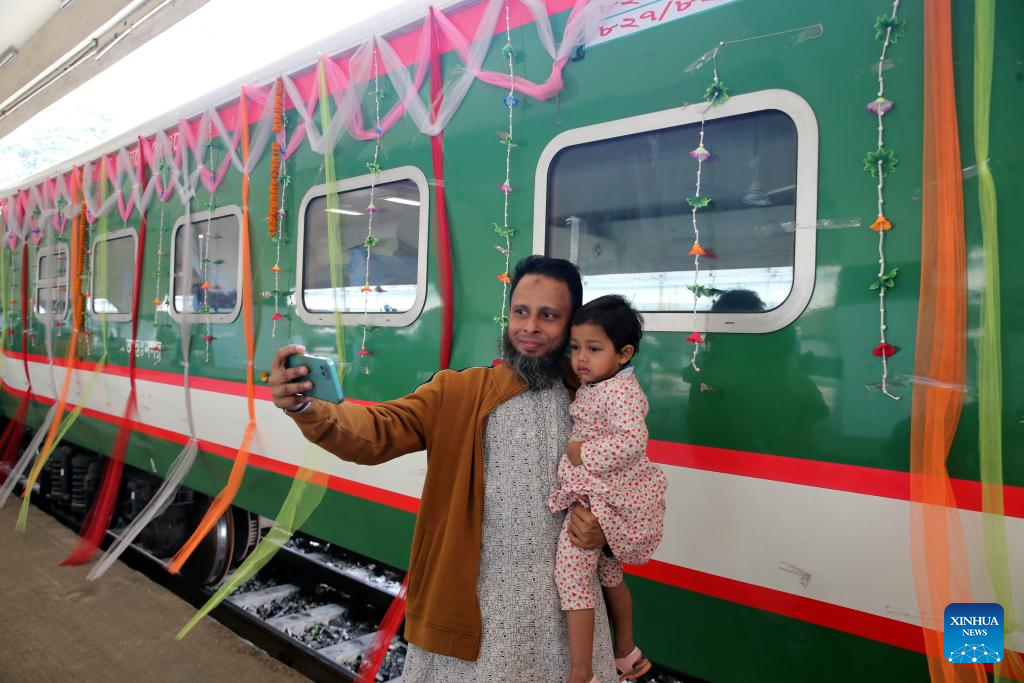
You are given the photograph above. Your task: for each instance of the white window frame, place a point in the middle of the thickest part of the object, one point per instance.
(787, 102)
(55, 282)
(107, 237)
(377, 319)
(198, 219)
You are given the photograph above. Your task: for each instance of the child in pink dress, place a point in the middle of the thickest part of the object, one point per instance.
(606, 469)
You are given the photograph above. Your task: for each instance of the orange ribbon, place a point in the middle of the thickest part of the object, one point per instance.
(941, 573)
(227, 495)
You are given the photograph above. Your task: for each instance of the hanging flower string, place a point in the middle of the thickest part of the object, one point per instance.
(158, 274)
(10, 317)
(505, 138)
(88, 259)
(79, 292)
(279, 181)
(371, 211)
(715, 95)
(207, 238)
(879, 163)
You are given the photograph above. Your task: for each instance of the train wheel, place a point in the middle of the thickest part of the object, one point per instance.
(211, 560)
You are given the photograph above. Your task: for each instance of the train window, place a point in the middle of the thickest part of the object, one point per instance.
(51, 295)
(113, 273)
(397, 261)
(214, 252)
(613, 199)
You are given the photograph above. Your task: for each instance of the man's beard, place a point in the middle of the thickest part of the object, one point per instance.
(541, 372)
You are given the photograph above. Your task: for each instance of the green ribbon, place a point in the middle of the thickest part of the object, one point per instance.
(305, 495)
(309, 485)
(990, 366)
(333, 223)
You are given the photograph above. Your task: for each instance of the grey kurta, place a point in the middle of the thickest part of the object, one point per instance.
(524, 632)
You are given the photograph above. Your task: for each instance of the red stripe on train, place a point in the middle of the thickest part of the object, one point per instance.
(354, 488)
(836, 617)
(891, 631)
(869, 481)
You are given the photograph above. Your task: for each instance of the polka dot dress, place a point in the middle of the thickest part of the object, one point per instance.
(616, 481)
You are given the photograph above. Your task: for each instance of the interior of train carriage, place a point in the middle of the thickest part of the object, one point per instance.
(76, 74)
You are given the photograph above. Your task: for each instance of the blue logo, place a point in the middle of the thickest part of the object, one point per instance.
(973, 632)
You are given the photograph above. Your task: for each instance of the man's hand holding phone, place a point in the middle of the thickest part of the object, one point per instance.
(296, 378)
(287, 385)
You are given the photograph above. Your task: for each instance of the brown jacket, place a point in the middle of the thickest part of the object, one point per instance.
(446, 416)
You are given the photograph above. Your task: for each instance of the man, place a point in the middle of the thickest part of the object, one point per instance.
(482, 601)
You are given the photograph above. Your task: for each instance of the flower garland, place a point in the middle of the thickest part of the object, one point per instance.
(60, 259)
(880, 162)
(505, 138)
(715, 95)
(61, 267)
(371, 211)
(279, 181)
(77, 293)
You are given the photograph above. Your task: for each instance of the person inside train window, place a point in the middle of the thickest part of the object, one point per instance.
(741, 371)
(482, 604)
(392, 259)
(606, 469)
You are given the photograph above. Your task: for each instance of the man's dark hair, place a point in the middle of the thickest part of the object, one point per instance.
(554, 268)
(738, 300)
(613, 314)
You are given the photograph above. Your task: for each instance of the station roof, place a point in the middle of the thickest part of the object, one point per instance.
(110, 66)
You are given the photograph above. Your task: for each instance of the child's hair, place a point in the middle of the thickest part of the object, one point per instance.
(613, 314)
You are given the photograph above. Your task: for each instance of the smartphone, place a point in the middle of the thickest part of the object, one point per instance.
(323, 373)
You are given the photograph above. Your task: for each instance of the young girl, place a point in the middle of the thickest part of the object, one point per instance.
(606, 469)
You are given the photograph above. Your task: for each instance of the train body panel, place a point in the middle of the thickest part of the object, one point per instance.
(789, 521)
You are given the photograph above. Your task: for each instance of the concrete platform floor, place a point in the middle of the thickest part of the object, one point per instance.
(56, 626)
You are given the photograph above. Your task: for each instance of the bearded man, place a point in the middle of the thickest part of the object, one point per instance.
(482, 602)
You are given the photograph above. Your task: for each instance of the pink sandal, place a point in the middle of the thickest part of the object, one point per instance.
(632, 666)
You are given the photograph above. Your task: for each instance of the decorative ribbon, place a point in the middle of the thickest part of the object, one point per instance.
(307, 490)
(990, 353)
(98, 519)
(37, 205)
(44, 428)
(186, 457)
(334, 256)
(378, 649)
(223, 499)
(77, 239)
(941, 574)
(443, 236)
(10, 442)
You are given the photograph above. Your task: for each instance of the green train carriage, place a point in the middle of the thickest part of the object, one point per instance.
(789, 532)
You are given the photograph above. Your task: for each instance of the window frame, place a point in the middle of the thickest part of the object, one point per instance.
(377, 319)
(107, 237)
(54, 282)
(198, 218)
(804, 257)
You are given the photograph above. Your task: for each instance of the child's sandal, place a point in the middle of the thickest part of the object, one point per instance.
(632, 666)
